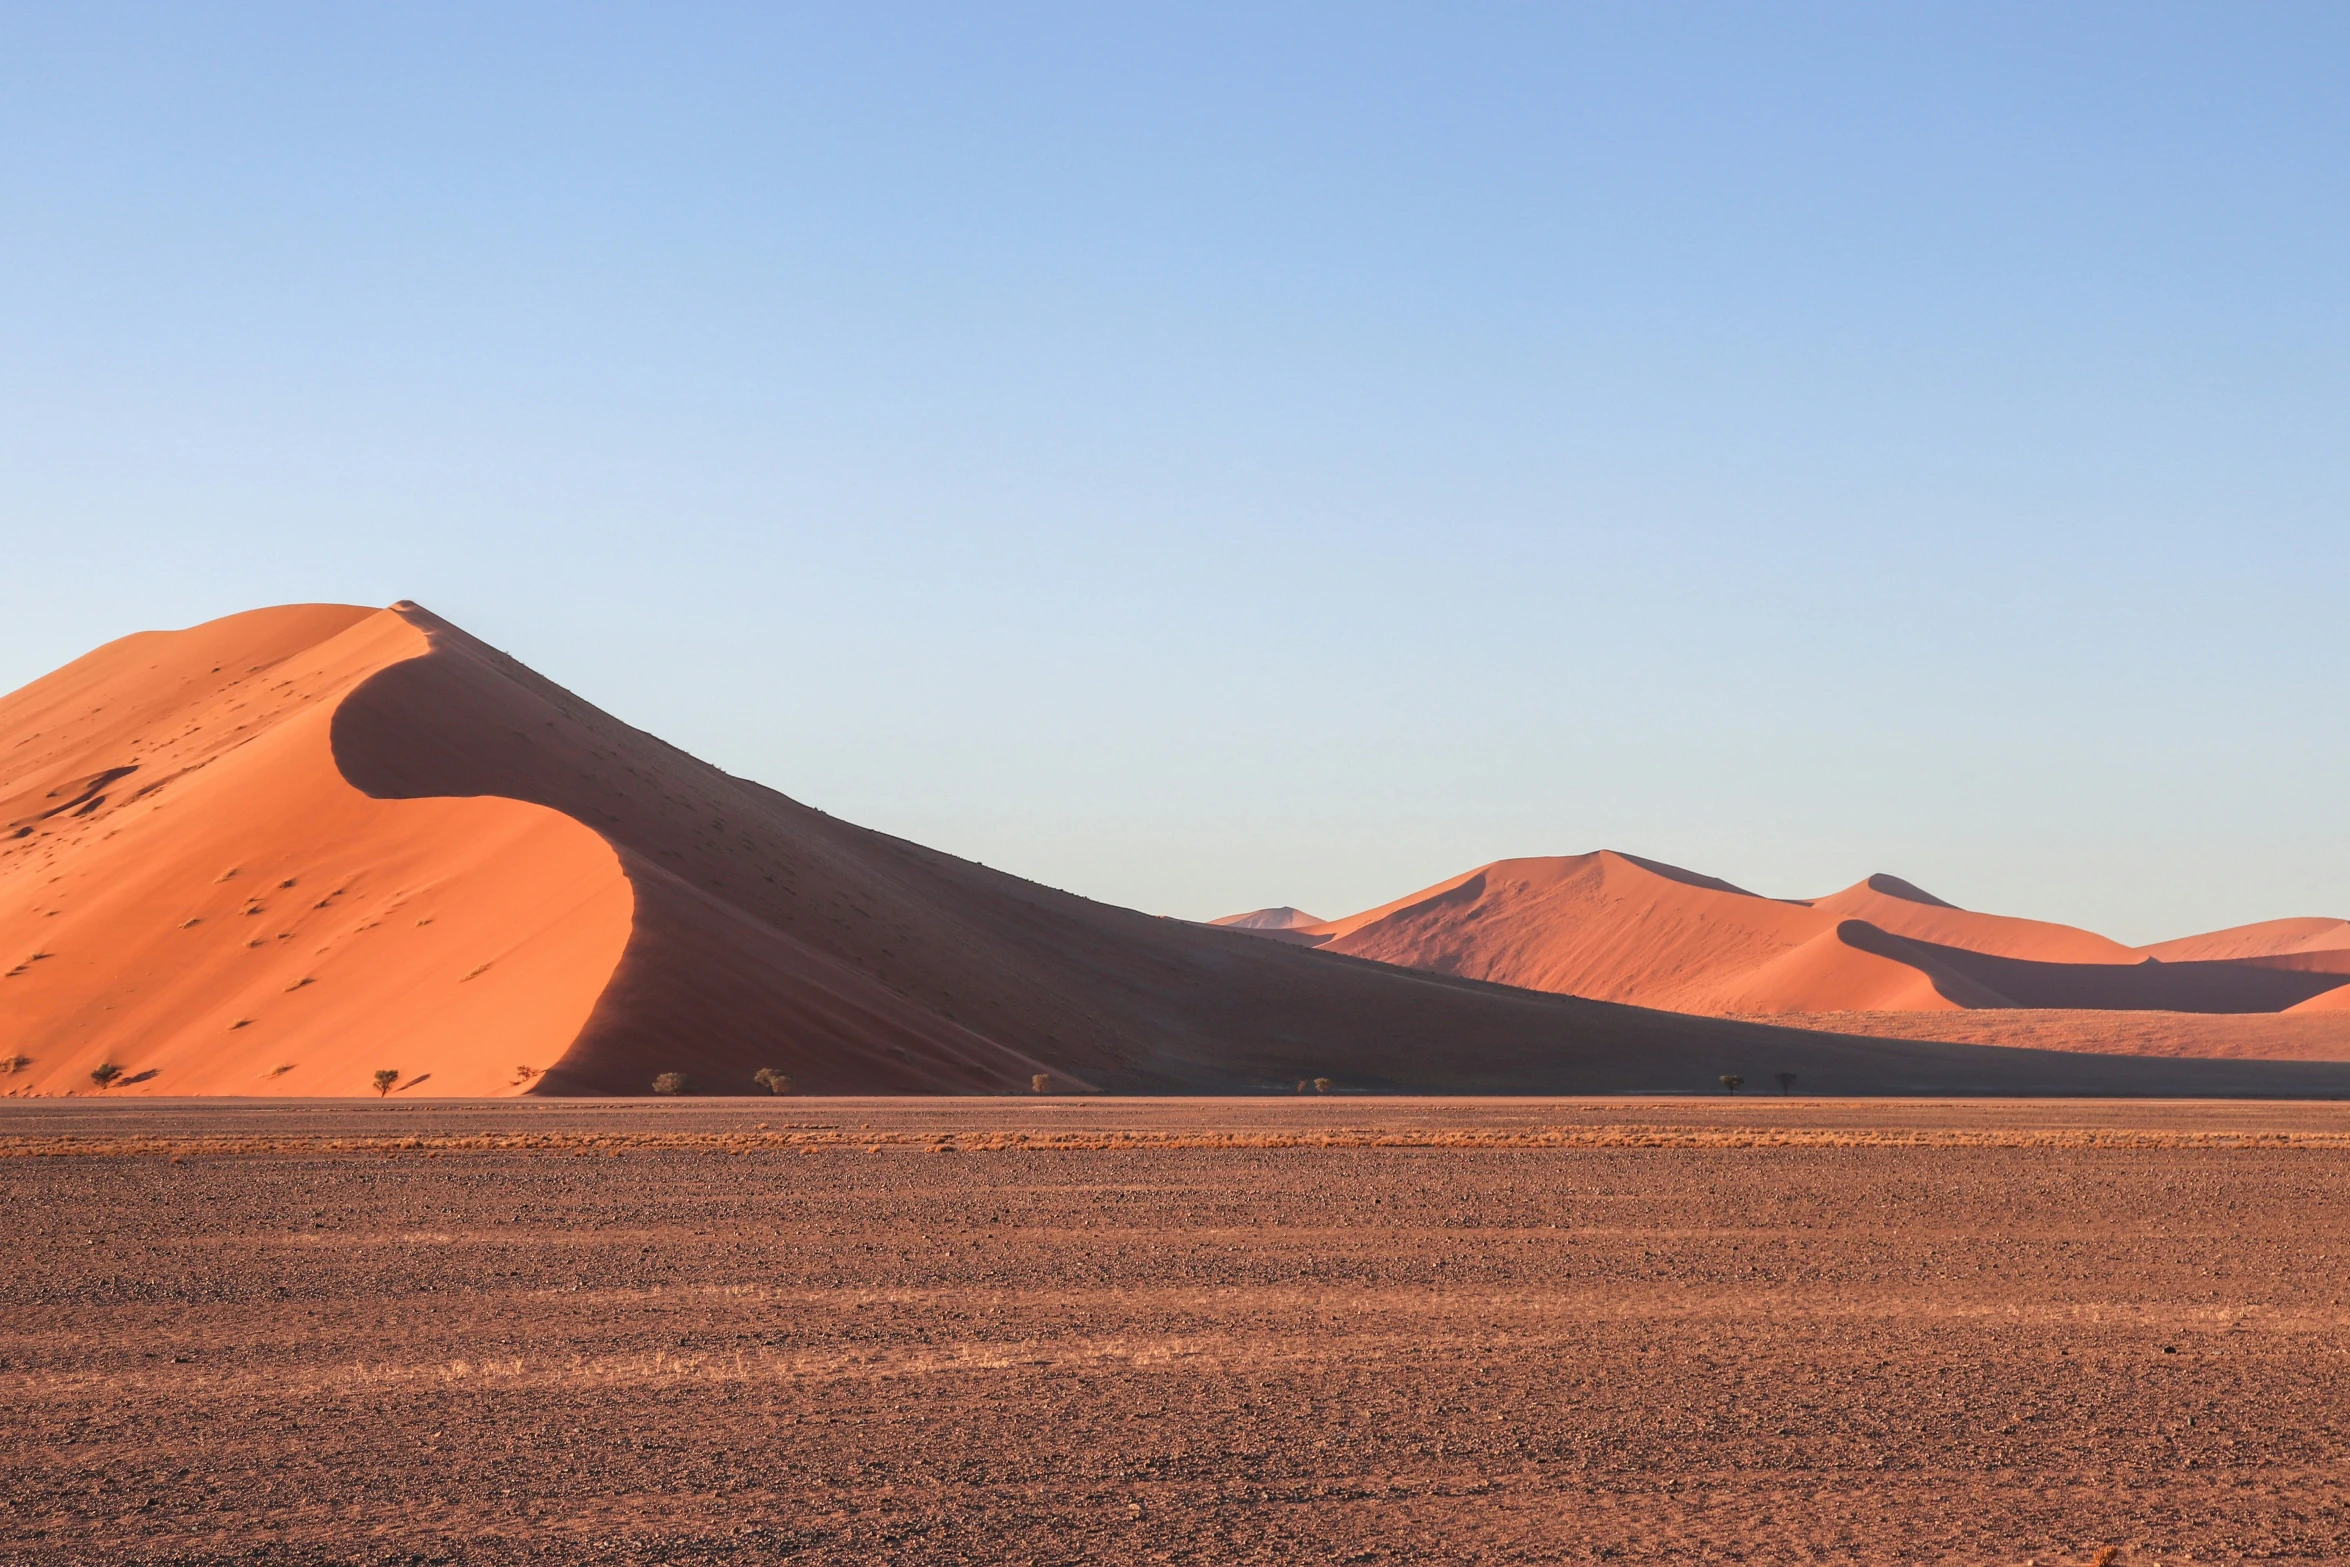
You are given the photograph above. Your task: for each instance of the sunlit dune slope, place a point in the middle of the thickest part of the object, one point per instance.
(2335, 1000)
(190, 888)
(2268, 939)
(333, 840)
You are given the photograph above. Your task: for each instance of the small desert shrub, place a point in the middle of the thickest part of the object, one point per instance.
(386, 1080)
(524, 1074)
(1321, 1085)
(1041, 1083)
(669, 1083)
(1786, 1081)
(104, 1074)
(773, 1081)
(1732, 1081)
(12, 1065)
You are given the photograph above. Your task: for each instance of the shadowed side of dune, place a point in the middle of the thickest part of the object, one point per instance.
(2247, 985)
(769, 933)
(703, 987)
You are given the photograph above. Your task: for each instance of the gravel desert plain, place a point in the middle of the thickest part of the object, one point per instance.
(1745, 1329)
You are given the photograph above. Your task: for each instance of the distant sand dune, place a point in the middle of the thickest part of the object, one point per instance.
(1621, 928)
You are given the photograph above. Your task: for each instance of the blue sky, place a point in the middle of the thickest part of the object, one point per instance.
(1214, 457)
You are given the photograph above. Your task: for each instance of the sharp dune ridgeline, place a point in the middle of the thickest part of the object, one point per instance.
(281, 852)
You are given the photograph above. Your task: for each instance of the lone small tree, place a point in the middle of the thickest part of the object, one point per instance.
(1732, 1081)
(1041, 1083)
(386, 1080)
(1321, 1085)
(1786, 1082)
(773, 1081)
(524, 1074)
(669, 1083)
(104, 1074)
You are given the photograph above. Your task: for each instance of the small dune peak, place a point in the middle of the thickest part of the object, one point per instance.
(1283, 918)
(1908, 892)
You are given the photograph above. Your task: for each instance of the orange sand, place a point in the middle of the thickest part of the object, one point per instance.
(227, 913)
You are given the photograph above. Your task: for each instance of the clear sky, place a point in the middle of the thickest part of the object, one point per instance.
(1211, 457)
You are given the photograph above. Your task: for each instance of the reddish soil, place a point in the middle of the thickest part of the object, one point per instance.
(1983, 1332)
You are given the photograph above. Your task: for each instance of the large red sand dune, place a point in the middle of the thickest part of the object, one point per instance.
(279, 852)
(1620, 928)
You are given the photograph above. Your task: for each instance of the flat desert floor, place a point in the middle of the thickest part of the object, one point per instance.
(1346, 1330)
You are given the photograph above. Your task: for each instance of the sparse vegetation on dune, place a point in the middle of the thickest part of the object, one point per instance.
(386, 1080)
(670, 1083)
(773, 1081)
(104, 1074)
